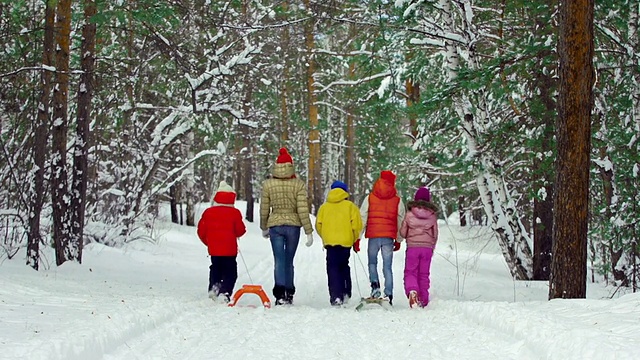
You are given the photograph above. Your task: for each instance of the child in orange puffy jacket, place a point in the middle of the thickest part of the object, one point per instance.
(219, 229)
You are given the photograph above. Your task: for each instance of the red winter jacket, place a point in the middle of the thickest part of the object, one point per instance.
(219, 228)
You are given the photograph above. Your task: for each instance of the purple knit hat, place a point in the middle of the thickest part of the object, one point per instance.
(423, 193)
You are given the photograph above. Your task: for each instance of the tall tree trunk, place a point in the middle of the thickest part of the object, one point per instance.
(350, 157)
(41, 129)
(413, 97)
(543, 234)
(634, 28)
(315, 170)
(615, 251)
(573, 132)
(545, 85)
(543, 203)
(501, 210)
(59, 191)
(498, 203)
(248, 184)
(461, 211)
(81, 146)
(284, 96)
(189, 184)
(173, 204)
(634, 37)
(246, 155)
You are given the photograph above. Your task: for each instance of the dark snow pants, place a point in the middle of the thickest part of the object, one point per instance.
(338, 273)
(223, 274)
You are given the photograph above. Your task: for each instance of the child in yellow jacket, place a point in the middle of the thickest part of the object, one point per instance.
(339, 224)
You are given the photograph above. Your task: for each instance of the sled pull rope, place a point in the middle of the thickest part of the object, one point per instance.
(355, 271)
(245, 265)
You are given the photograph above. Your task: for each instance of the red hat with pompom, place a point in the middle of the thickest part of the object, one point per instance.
(225, 194)
(284, 157)
(388, 175)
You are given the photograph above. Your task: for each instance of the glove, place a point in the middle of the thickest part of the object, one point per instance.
(396, 246)
(265, 234)
(356, 246)
(309, 240)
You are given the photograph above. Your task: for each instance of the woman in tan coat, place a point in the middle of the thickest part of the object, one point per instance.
(283, 211)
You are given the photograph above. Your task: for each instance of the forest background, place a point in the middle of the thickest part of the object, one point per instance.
(108, 108)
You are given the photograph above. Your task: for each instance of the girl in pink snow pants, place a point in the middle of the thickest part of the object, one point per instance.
(420, 229)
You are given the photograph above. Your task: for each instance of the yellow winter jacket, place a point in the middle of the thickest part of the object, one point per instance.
(338, 221)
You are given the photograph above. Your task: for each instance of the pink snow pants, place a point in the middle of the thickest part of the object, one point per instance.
(417, 267)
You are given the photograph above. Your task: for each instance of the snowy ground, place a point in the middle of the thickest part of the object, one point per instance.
(148, 301)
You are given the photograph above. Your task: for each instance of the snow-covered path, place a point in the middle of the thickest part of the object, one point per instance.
(313, 330)
(148, 301)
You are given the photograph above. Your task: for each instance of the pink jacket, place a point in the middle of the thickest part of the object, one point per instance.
(420, 225)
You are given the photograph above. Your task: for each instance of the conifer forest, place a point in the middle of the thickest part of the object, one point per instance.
(523, 116)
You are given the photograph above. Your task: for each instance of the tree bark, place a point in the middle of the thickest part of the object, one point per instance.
(189, 186)
(543, 235)
(284, 96)
(350, 157)
(59, 186)
(499, 205)
(315, 169)
(41, 128)
(573, 133)
(413, 97)
(83, 141)
(615, 251)
(461, 211)
(173, 204)
(543, 203)
(246, 154)
(545, 85)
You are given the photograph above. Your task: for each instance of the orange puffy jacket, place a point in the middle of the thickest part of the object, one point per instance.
(382, 218)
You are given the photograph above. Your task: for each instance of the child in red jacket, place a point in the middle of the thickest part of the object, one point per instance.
(219, 229)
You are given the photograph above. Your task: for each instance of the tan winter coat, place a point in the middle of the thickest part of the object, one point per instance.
(284, 200)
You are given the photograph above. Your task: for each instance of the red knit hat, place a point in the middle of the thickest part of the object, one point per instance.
(284, 157)
(388, 175)
(225, 194)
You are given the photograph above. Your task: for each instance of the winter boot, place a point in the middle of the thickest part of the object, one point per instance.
(288, 295)
(279, 294)
(346, 298)
(375, 290)
(388, 298)
(214, 291)
(413, 299)
(224, 298)
(336, 302)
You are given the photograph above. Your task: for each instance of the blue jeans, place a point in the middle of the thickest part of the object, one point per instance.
(284, 243)
(384, 245)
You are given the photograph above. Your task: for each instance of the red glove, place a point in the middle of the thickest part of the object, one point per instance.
(356, 246)
(396, 246)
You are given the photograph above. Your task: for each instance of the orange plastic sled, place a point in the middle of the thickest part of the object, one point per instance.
(251, 289)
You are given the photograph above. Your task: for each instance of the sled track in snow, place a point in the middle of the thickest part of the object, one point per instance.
(205, 328)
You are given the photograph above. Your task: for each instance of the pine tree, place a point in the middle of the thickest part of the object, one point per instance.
(573, 131)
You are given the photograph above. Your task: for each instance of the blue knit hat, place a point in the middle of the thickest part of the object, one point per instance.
(340, 184)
